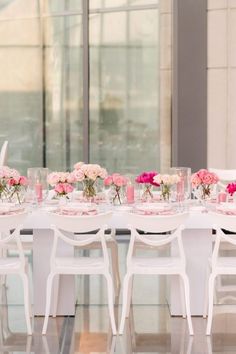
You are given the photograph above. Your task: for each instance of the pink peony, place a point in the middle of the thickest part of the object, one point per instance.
(231, 188)
(147, 178)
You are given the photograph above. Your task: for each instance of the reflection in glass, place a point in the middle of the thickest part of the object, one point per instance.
(124, 90)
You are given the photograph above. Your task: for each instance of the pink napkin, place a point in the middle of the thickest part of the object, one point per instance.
(226, 212)
(154, 212)
(75, 212)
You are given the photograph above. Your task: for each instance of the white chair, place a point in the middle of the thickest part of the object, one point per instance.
(62, 225)
(219, 265)
(3, 154)
(225, 176)
(157, 265)
(15, 265)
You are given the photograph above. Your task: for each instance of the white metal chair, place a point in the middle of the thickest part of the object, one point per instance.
(219, 265)
(3, 153)
(62, 225)
(157, 265)
(225, 176)
(15, 265)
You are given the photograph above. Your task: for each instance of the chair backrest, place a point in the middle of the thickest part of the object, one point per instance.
(63, 224)
(170, 224)
(224, 175)
(9, 223)
(226, 222)
(3, 154)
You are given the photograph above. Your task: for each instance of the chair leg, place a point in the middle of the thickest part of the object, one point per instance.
(129, 296)
(210, 302)
(181, 289)
(206, 294)
(125, 301)
(55, 294)
(110, 301)
(187, 301)
(48, 301)
(115, 266)
(26, 302)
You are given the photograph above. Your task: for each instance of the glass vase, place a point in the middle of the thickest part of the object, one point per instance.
(89, 189)
(165, 192)
(116, 195)
(181, 191)
(146, 192)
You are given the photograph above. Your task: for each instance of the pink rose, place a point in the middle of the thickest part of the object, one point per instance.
(78, 165)
(201, 173)
(195, 180)
(207, 179)
(119, 180)
(108, 181)
(12, 182)
(68, 188)
(59, 188)
(23, 181)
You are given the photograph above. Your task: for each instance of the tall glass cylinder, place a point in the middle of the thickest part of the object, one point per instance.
(38, 181)
(182, 190)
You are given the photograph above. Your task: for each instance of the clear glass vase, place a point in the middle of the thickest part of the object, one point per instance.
(89, 189)
(116, 195)
(146, 192)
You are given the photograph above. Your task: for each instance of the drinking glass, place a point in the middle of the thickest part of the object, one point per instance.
(182, 190)
(38, 181)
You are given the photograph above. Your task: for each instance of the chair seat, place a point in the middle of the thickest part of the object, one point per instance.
(79, 265)
(156, 265)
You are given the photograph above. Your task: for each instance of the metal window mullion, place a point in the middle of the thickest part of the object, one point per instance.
(86, 81)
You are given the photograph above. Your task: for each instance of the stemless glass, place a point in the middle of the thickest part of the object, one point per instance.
(38, 183)
(182, 190)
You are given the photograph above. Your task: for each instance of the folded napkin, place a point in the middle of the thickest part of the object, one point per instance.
(226, 212)
(154, 212)
(74, 212)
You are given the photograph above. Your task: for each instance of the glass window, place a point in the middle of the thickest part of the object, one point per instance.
(42, 93)
(64, 91)
(124, 90)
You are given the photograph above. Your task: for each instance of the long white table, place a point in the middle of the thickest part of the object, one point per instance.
(197, 241)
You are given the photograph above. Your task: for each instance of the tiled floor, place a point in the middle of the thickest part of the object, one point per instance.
(150, 329)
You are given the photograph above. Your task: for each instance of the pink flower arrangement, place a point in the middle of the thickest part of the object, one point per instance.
(116, 181)
(88, 171)
(11, 183)
(88, 174)
(231, 188)
(62, 182)
(147, 178)
(205, 179)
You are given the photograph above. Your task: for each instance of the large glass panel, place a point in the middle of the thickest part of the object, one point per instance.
(124, 90)
(64, 93)
(105, 4)
(55, 6)
(21, 83)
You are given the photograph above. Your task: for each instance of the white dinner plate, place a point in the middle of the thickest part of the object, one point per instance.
(153, 206)
(226, 206)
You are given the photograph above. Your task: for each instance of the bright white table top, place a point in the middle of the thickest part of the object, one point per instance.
(39, 219)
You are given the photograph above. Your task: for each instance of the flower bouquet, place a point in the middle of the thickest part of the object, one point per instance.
(147, 180)
(116, 182)
(12, 184)
(231, 188)
(88, 174)
(166, 182)
(202, 181)
(62, 183)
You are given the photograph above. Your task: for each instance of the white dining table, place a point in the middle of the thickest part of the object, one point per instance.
(197, 240)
